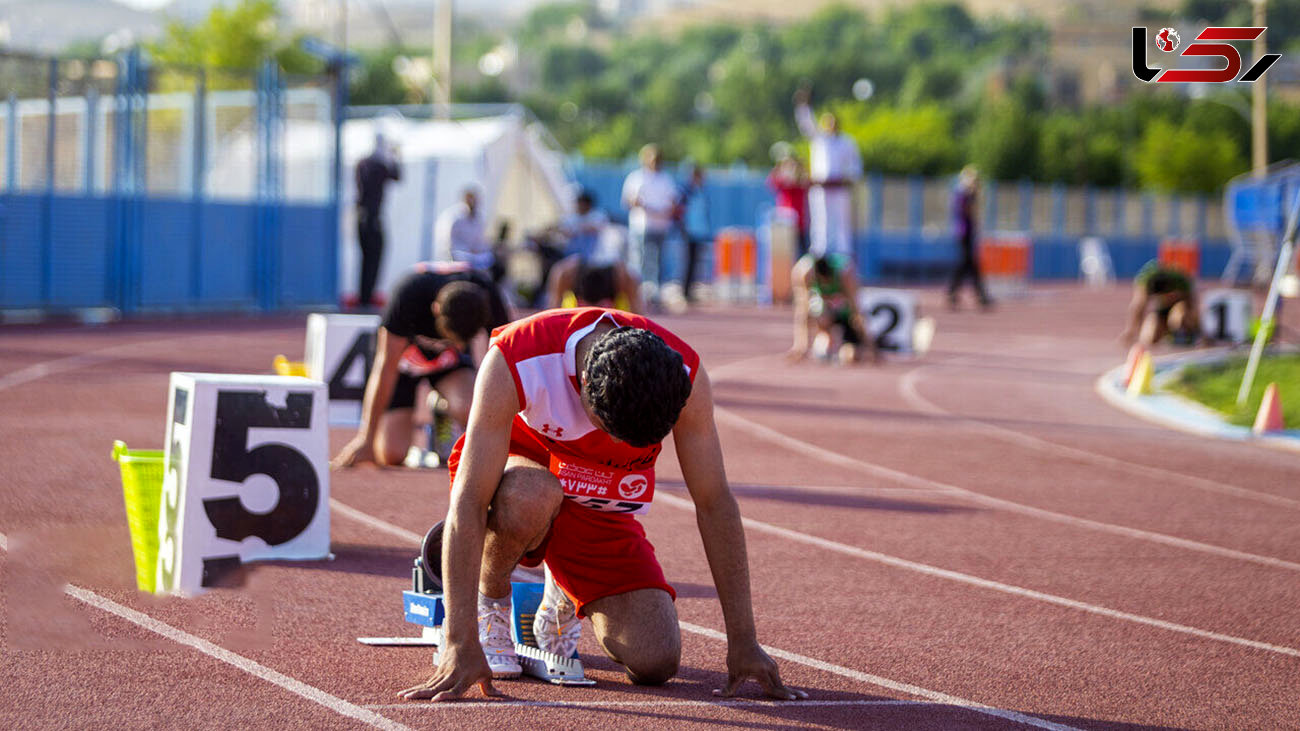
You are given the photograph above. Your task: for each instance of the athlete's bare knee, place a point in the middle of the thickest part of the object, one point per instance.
(528, 498)
(654, 669)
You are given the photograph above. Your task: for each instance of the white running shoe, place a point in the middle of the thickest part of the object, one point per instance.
(556, 625)
(498, 645)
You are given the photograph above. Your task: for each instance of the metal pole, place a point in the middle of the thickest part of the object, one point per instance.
(1287, 250)
(1258, 103)
(11, 143)
(341, 33)
(89, 140)
(47, 209)
(197, 182)
(442, 30)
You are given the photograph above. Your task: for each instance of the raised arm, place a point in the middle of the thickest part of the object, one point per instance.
(482, 462)
(379, 392)
(718, 518)
(803, 117)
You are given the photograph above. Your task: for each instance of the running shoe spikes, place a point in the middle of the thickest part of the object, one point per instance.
(498, 645)
(556, 625)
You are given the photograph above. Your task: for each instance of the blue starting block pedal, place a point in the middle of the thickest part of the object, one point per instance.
(425, 609)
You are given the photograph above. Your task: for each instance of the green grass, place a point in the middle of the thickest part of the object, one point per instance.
(1216, 386)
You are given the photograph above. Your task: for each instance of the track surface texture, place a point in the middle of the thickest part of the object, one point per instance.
(972, 539)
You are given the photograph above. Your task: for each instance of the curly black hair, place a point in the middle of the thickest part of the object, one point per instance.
(462, 309)
(635, 384)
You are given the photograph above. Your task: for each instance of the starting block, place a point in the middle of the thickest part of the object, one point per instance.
(425, 609)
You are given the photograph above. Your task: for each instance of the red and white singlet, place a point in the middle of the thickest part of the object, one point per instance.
(552, 427)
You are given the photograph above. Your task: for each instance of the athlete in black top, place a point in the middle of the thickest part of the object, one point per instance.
(434, 314)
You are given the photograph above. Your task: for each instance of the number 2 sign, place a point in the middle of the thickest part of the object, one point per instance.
(890, 315)
(245, 476)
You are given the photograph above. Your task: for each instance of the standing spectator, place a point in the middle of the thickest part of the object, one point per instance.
(584, 227)
(835, 165)
(691, 220)
(965, 203)
(458, 233)
(372, 173)
(650, 194)
(789, 181)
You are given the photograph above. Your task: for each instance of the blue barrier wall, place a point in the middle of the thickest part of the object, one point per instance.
(920, 251)
(143, 232)
(188, 256)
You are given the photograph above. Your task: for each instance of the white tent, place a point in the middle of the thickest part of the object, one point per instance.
(522, 180)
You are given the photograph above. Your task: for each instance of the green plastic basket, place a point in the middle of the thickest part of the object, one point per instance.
(142, 478)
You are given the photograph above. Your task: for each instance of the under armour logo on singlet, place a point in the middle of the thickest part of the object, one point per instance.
(559, 430)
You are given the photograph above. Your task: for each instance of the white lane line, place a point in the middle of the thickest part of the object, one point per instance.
(880, 491)
(935, 571)
(800, 446)
(378, 524)
(908, 389)
(887, 683)
(792, 657)
(71, 362)
(297, 687)
(665, 703)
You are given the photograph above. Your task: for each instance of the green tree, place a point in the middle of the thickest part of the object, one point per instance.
(1179, 158)
(1003, 142)
(916, 141)
(374, 81)
(1073, 149)
(238, 37)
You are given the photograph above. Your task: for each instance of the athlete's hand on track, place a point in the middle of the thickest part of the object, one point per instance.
(458, 671)
(794, 355)
(750, 661)
(355, 452)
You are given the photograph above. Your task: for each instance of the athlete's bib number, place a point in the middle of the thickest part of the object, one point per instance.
(604, 488)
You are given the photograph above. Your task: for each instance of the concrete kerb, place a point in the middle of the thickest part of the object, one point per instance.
(1174, 411)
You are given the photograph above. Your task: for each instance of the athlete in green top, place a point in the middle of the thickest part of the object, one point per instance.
(1164, 302)
(825, 298)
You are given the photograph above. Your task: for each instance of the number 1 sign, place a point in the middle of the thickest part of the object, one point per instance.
(246, 476)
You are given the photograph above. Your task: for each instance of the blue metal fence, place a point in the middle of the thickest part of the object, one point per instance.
(906, 236)
(116, 193)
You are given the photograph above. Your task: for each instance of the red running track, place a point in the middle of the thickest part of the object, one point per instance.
(972, 539)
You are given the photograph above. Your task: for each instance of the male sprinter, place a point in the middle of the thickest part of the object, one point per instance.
(610, 285)
(1174, 296)
(570, 411)
(425, 334)
(826, 297)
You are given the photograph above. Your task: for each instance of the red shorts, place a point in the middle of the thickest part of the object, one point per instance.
(591, 554)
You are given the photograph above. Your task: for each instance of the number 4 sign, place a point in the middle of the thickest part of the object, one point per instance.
(245, 478)
(340, 350)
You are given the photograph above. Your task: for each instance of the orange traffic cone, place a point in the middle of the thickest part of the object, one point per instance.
(1269, 418)
(1140, 384)
(1135, 354)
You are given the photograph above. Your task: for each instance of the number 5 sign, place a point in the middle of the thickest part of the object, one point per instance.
(245, 478)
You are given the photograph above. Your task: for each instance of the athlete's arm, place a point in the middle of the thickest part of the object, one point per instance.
(379, 392)
(1137, 309)
(801, 279)
(483, 460)
(718, 518)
